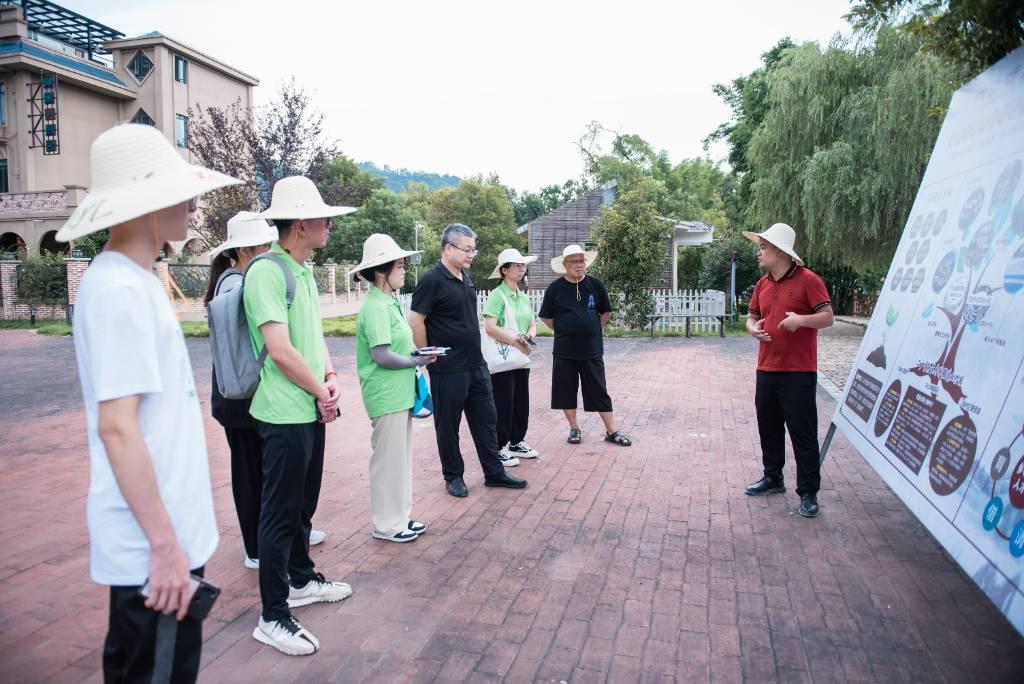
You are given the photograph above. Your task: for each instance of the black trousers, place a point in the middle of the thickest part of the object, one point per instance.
(130, 648)
(512, 405)
(787, 401)
(247, 483)
(466, 391)
(293, 468)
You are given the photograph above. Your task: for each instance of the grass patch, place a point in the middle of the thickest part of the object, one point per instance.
(340, 326)
(56, 328)
(195, 329)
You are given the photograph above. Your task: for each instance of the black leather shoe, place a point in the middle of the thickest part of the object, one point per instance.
(766, 486)
(809, 506)
(504, 480)
(457, 487)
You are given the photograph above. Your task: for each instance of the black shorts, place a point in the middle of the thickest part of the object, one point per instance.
(566, 375)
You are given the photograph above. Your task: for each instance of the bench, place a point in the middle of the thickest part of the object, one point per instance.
(654, 318)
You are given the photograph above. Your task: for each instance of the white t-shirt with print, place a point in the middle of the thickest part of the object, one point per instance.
(128, 342)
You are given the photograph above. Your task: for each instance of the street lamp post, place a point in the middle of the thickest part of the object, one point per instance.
(416, 247)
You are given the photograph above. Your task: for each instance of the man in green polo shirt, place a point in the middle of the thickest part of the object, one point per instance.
(296, 396)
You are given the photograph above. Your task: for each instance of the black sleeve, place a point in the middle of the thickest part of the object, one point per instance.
(547, 306)
(604, 304)
(423, 296)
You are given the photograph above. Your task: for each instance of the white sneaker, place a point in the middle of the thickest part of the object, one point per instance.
(318, 590)
(252, 563)
(287, 636)
(400, 537)
(507, 459)
(317, 537)
(523, 450)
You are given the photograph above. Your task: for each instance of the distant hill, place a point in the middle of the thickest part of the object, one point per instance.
(396, 179)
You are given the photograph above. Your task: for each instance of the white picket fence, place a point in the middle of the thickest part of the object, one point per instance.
(705, 305)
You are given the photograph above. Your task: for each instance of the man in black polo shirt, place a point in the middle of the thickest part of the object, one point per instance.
(576, 307)
(443, 314)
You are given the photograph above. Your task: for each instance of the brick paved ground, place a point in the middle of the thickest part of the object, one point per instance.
(616, 564)
(837, 350)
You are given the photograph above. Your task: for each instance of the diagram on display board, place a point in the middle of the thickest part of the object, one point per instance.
(935, 400)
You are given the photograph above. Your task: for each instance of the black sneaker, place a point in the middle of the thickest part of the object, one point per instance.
(766, 486)
(809, 506)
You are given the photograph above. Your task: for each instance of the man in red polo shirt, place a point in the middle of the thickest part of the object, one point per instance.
(789, 305)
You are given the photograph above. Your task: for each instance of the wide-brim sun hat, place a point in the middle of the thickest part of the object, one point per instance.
(558, 265)
(297, 198)
(380, 249)
(510, 256)
(246, 229)
(780, 235)
(135, 172)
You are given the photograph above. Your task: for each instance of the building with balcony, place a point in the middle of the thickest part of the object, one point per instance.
(66, 78)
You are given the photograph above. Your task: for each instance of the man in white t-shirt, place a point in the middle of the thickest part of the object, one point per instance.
(150, 504)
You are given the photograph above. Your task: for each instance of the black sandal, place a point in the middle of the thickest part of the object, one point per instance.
(620, 438)
(575, 436)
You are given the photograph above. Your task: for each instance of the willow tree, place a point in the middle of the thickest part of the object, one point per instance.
(844, 145)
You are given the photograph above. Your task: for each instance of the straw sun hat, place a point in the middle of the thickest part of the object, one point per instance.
(558, 265)
(296, 197)
(135, 171)
(380, 249)
(510, 256)
(780, 235)
(246, 229)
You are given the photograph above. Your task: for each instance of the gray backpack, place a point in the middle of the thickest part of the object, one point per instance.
(235, 364)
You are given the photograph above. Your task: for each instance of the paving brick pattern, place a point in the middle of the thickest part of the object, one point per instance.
(621, 565)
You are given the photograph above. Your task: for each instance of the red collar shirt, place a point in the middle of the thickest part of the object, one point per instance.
(802, 292)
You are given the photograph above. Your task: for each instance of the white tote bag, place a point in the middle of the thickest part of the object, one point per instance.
(501, 357)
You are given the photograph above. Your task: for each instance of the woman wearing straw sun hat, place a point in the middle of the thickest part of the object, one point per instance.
(512, 387)
(789, 305)
(387, 377)
(150, 504)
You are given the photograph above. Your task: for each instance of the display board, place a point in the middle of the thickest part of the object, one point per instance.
(935, 400)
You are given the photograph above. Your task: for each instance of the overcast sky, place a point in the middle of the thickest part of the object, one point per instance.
(467, 87)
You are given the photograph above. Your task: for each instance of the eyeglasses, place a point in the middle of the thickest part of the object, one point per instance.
(575, 262)
(469, 252)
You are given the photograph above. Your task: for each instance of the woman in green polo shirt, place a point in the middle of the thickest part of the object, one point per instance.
(387, 377)
(512, 388)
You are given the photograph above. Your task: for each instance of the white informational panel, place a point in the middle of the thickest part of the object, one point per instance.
(935, 400)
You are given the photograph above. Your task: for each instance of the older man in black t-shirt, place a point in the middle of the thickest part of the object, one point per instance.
(443, 314)
(576, 307)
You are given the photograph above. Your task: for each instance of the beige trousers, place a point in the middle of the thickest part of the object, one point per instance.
(391, 472)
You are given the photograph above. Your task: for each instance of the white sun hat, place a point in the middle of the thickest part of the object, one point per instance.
(780, 235)
(135, 171)
(510, 256)
(380, 249)
(557, 264)
(296, 197)
(246, 229)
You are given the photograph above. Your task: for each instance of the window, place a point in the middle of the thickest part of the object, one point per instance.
(141, 117)
(140, 66)
(181, 130)
(180, 69)
(3, 104)
(4, 185)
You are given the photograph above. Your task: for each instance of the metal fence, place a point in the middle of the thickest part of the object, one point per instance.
(189, 280)
(321, 279)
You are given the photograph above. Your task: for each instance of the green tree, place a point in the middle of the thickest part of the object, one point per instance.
(973, 34)
(483, 205)
(342, 182)
(43, 280)
(716, 263)
(844, 144)
(384, 212)
(530, 205)
(747, 97)
(631, 240)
